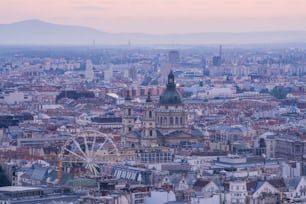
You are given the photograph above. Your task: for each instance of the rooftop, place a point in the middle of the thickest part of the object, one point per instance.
(18, 188)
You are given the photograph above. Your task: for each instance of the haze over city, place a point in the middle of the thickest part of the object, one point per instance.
(162, 16)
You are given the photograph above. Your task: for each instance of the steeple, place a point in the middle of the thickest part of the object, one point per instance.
(148, 100)
(171, 84)
(127, 96)
(148, 134)
(128, 118)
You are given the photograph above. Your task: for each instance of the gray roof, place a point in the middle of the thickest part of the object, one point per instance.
(39, 173)
(292, 183)
(259, 184)
(197, 132)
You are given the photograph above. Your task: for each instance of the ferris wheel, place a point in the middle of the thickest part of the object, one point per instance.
(91, 149)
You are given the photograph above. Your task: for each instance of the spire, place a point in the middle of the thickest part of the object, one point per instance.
(149, 96)
(171, 83)
(128, 97)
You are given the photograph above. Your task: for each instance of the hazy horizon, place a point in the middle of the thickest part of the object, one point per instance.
(182, 33)
(162, 16)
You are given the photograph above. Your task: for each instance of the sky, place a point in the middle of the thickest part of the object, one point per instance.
(162, 16)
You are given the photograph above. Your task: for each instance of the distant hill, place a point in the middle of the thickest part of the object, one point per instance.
(36, 32)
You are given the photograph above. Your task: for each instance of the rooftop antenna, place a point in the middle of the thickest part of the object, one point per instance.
(220, 51)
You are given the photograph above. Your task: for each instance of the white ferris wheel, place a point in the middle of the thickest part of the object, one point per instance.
(91, 149)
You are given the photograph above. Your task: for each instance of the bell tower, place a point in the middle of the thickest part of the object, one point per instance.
(148, 134)
(128, 118)
(171, 84)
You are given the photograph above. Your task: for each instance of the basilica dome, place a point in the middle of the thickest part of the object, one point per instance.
(171, 96)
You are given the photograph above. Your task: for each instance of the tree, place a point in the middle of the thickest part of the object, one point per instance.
(239, 90)
(154, 82)
(279, 92)
(263, 91)
(3, 179)
(206, 72)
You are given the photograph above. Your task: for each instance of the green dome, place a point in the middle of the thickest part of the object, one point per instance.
(171, 96)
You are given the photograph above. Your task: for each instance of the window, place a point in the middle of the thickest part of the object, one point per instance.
(171, 121)
(150, 114)
(181, 120)
(130, 129)
(297, 148)
(129, 111)
(151, 133)
(176, 120)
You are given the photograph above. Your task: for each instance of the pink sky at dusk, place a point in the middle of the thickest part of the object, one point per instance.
(162, 16)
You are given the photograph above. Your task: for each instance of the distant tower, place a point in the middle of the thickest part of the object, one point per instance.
(89, 72)
(174, 57)
(108, 73)
(204, 66)
(132, 73)
(217, 60)
(148, 135)
(128, 118)
(203, 62)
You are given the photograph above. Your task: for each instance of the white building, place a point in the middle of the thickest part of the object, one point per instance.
(238, 192)
(291, 169)
(15, 98)
(108, 74)
(159, 197)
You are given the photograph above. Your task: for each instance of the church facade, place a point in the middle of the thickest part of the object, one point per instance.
(163, 124)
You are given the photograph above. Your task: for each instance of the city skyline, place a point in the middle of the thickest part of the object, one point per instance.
(162, 17)
(101, 117)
